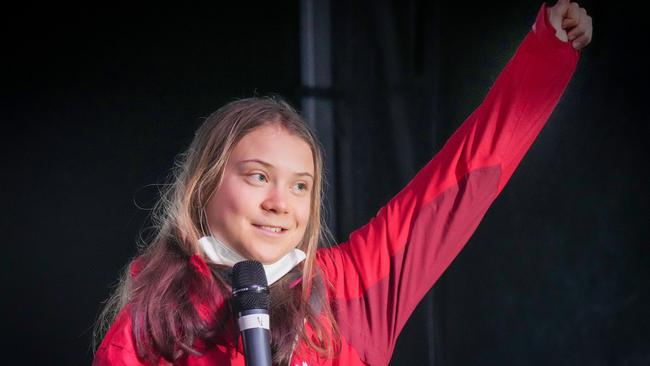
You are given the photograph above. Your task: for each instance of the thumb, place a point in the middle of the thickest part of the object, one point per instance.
(555, 16)
(561, 7)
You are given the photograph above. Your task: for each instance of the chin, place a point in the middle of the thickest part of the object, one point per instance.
(266, 258)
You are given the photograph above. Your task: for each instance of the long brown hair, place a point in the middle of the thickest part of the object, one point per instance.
(173, 277)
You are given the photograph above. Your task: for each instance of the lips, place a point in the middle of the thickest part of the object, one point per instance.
(271, 228)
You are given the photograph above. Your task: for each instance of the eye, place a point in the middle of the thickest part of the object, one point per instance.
(300, 187)
(257, 178)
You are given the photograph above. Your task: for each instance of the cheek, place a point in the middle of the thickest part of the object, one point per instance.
(303, 214)
(215, 212)
(226, 204)
(233, 195)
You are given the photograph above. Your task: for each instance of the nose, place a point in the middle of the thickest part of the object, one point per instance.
(276, 201)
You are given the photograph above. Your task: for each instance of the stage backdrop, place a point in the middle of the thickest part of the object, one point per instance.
(97, 102)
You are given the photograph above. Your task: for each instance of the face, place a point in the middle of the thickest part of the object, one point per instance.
(261, 209)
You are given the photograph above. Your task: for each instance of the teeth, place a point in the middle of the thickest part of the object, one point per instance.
(272, 228)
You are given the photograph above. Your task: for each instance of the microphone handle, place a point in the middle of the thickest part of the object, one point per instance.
(256, 337)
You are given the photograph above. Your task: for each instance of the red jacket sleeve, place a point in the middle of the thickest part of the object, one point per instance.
(386, 267)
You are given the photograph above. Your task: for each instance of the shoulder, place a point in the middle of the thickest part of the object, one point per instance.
(117, 347)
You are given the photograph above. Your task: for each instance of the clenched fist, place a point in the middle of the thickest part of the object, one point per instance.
(571, 23)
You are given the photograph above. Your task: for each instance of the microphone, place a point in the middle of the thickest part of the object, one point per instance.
(251, 294)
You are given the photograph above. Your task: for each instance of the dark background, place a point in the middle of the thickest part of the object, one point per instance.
(96, 102)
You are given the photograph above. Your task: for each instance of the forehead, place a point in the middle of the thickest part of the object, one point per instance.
(276, 146)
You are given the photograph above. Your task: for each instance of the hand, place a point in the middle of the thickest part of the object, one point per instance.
(571, 23)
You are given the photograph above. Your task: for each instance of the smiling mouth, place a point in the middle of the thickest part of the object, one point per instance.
(272, 229)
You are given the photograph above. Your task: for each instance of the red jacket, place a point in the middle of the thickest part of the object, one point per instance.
(385, 268)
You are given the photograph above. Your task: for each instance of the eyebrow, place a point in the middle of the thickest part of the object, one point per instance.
(269, 165)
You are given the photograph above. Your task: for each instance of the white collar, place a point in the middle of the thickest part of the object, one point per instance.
(220, 253)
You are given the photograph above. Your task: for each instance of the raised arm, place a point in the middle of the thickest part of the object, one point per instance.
(385, 268)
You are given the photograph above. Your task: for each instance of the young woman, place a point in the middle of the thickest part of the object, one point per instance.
(250, 187)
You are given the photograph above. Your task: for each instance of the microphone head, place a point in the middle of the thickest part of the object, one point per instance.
(249, 286)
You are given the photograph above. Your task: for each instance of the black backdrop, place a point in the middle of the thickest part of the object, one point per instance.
(96, 102)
